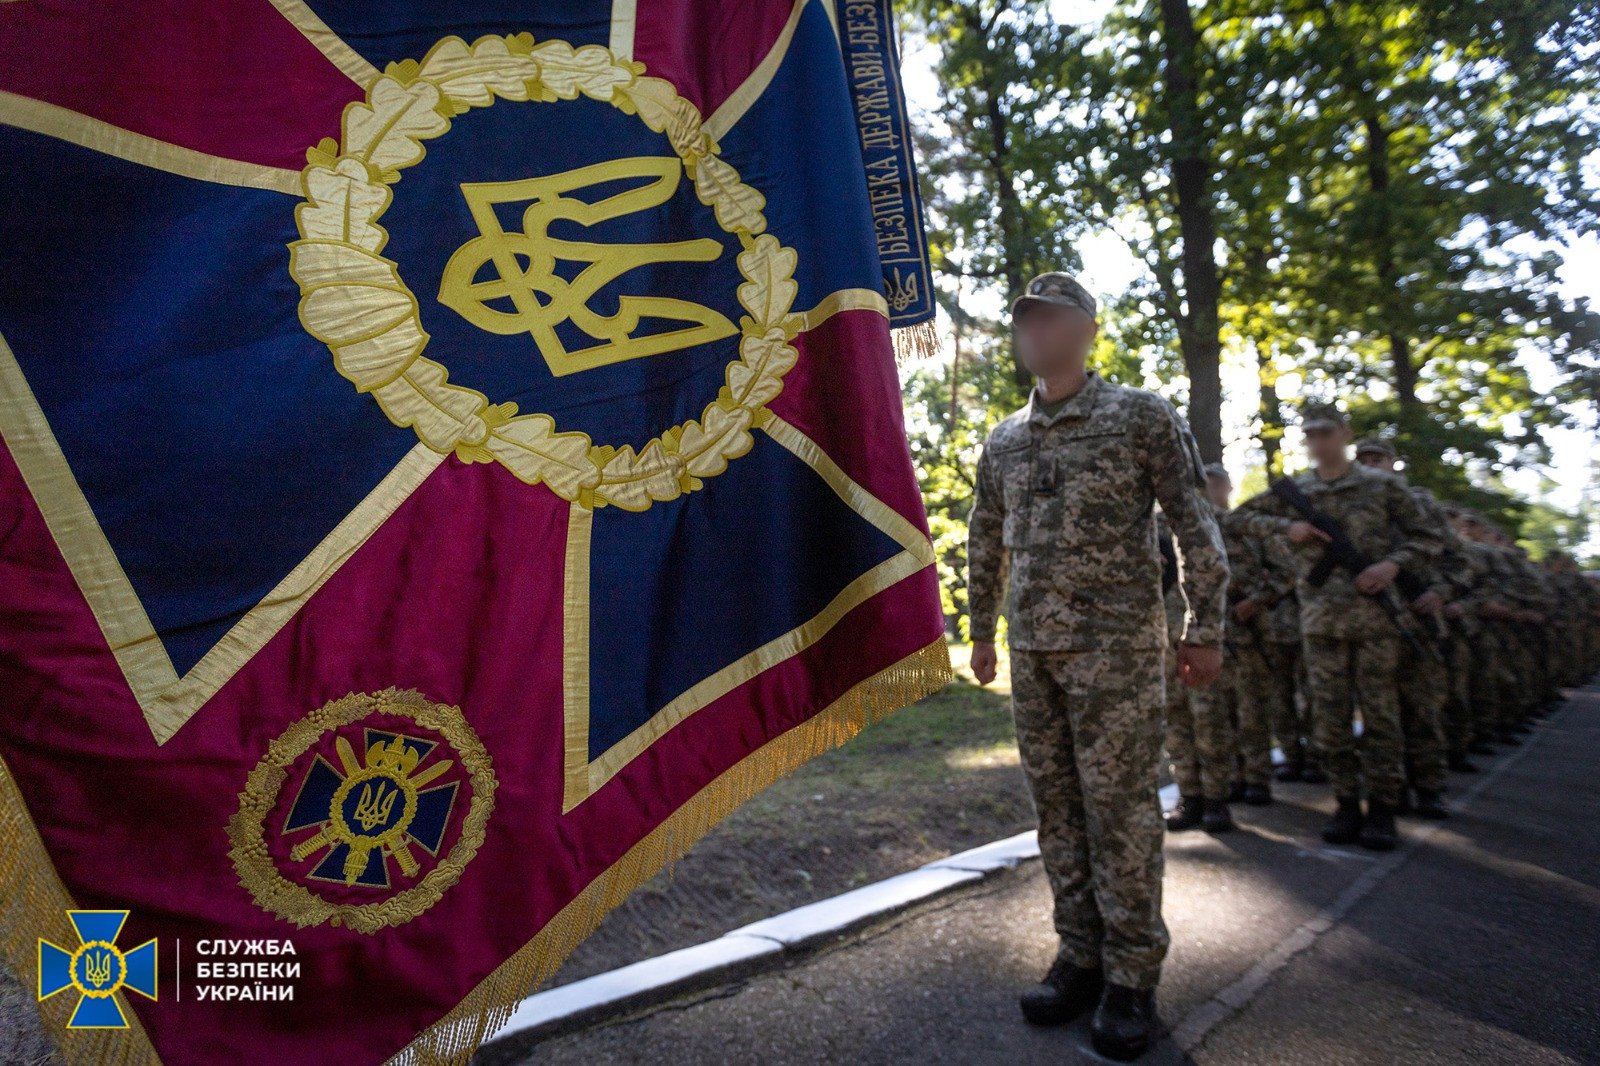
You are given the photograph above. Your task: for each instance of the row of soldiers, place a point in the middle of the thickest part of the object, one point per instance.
(1422, 623)
(1453, 653)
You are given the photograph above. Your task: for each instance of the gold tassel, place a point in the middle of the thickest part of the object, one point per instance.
(36, 902)
(912, 343)
(453, 1039)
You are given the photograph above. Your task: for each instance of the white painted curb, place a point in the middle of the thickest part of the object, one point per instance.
(583, 1002)
(829, 917)
(609, 990)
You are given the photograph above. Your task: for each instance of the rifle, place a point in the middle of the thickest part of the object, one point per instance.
(1169, 562)
(1341, 553)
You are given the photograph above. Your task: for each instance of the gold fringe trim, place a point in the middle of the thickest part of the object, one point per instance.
(913, 343)
(34, 904)
(455, 1037)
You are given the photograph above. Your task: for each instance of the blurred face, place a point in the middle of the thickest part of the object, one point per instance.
(1327, 444)
(1219, 489)
(1377, 461)
(1052, 339)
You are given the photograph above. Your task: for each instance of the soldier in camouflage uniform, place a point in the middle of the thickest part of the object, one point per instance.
(1468, 573)
(1252, 724)
(1494, 678)
(1352, 647)
(1424, 681)
(1062, 532)
(1199, 736)
(1579, 607)
(1265, 619)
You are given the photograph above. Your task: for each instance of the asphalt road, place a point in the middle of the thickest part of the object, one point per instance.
(1478, 941)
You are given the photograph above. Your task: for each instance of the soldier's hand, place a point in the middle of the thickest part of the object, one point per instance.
(1377, 577)
(1429, 602)
(1246, 609)
(1303, 532)
(984, 661)
(1198, 666)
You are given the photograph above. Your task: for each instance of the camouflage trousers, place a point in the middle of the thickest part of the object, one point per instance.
(1423, 687)
(1200, 742)
(1252, 717)
(1491, 682)
(1459, 714)
(1268, 684)
(1089, 732)
(1341, 675)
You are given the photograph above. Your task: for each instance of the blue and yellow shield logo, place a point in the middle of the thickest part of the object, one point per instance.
(97, 969)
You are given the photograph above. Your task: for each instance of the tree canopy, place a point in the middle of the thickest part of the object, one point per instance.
(1368, 196)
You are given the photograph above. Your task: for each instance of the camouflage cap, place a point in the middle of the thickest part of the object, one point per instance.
(1217, 470)
(1057, 288)
(1322, 416)
(1376, 446)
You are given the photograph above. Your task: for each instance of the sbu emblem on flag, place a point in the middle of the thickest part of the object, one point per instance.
(483, 469)
(363, 813)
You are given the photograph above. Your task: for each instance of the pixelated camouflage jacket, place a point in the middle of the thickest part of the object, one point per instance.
(1262, 569)
(1062, 530)
(1471, 574)
(1455, 572)
(1383, 521)
(1500, 582)
(1531, 587)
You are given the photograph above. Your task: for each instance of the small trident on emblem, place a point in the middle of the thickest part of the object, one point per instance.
(375, 810)
(97, 967)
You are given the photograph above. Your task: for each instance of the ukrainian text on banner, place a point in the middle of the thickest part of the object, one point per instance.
(447, 466)
(872, 60)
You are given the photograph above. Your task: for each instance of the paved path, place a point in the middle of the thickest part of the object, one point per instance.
(1477, 941)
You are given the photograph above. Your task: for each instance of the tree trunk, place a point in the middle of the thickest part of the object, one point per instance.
(1199, 334)
(1271, 411)
(1404, 371)
(1009, 209)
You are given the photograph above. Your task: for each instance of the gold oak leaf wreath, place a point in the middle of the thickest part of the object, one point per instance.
(353, 299)
(292, 901)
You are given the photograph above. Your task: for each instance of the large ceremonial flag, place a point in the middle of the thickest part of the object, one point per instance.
(452, 456)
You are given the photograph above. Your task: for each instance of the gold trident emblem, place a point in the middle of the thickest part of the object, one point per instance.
(97, 967)
(541, 299)
(375, 810)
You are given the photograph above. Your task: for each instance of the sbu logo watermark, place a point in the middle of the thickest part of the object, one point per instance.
(97, 969)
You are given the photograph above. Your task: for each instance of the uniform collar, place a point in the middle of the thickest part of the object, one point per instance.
(1355, 473)
(1080, 405)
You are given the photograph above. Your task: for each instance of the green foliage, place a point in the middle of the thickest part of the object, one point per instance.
(1389, 179)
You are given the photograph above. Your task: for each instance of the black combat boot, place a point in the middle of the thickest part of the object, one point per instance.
(1378, 831)
(1480, 745)
(1293, 770)
(1188, 814)
(1236, 792)
(1345, 826)
(1460, 764)
(1314, 774)
(1124, 1022)
(1066, 992)
(1404, 806)
(1258, 795)
(1508, 737)
(1217, 818)
(1430, 806)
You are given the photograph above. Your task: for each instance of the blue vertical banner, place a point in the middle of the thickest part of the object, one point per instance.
(872, 62)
